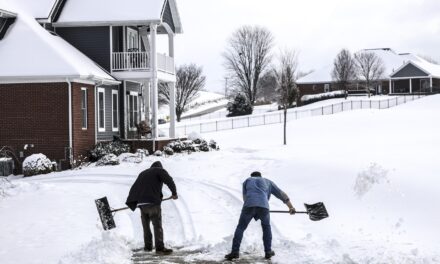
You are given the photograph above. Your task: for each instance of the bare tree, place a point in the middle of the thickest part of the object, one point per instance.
(286, 76)
(429, 59)
(247, 58)
(190, 81)
(344, 70)
(370, 68)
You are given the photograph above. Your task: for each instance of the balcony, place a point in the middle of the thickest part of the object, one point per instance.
(140, 61)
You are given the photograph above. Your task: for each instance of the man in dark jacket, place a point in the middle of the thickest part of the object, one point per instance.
(256, 194)
(146, 193)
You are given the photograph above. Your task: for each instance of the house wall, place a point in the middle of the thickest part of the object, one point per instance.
(92, 41)
(316, 88)
(409, 71)
(83, 139)
(35, 113)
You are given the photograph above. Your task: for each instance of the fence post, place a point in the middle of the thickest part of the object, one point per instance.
(370, 104)
(184, 128)
(216, 125)
(322, 110)
(342, 106)
(397, 101)
(248, 121)
(388, 101)
(351, 104)
(200, 127)
(280, 117)
(264, 119)
(296, 115)
(332, 110)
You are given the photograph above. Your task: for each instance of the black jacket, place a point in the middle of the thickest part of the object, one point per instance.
(148, 186)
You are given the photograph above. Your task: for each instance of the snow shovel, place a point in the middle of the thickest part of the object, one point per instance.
(315, 211)
(106, 212)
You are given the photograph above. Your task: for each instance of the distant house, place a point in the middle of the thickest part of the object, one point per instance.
(73, 73)
(404, 73)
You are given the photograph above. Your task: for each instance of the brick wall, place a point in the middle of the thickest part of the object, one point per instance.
(36, 114)
(83, 139)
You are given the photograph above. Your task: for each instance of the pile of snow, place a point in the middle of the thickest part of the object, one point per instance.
(372, 154)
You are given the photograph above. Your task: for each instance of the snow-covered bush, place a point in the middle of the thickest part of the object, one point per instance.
(240, 106)
(104, 148)
(313, 98)
(37, 164)
(194, 136)
(158, 153)
(110, 159)
(130, 158)
(198, 144)
(168, 151)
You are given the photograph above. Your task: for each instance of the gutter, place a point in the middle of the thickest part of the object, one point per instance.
(69, 83)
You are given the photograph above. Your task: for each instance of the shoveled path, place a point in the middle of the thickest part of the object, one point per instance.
(181, 256)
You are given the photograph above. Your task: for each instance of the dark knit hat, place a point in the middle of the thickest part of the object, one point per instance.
(256, 174)
(157, 164)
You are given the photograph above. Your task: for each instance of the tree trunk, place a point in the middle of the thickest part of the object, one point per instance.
(285, 125)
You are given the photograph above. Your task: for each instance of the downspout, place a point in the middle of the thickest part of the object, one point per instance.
(96, 114)
(69, 84)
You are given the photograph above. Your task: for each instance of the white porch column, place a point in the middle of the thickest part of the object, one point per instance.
(147, 100)
(154, 81)
(430, 83)
(171, 45)
(410, 86)
(390, 90)
(172, 110)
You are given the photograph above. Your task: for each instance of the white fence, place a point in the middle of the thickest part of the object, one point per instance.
(165, 63)
(292, 114)
(219, 114)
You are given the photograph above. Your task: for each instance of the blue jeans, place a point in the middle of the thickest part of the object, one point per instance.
(247, 213)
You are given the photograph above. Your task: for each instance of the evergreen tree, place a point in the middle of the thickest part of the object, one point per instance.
(240, 106)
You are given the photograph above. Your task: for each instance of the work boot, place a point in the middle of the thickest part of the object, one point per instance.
(148, 249)
(164, 251)
(269, 254)
(232, 255)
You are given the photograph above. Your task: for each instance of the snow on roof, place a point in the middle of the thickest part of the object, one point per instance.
(391, 60)
(28, 51)
(35, 8)
(114, 11)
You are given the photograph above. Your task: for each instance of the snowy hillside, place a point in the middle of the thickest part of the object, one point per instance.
(205, 102)
(376, 171)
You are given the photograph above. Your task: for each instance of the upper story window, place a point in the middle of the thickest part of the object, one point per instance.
(326, 88)
(132, 40)
(84, 108)
(101, 109)
(115, 110)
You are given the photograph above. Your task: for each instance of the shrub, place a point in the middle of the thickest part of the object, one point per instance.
(110, 159)
(130, 158)
(158, 153)
(37, 164)
(190, 146)
(104, 148)
(240, 106)
(168, 151)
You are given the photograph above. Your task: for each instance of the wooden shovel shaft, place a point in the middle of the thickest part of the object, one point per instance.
(288, 212)
(125, 208)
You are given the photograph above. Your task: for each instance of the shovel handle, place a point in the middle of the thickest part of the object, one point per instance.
(125, 208)
(288, 212)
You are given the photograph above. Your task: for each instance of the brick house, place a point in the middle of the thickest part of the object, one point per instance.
(74, 73)
(399, 70)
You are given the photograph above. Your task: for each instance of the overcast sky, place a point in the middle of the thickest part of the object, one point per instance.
(318, 29)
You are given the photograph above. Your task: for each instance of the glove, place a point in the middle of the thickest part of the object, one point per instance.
(292, 211)
(175, 197)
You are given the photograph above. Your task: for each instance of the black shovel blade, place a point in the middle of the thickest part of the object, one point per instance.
(105, 213)
(316, 211)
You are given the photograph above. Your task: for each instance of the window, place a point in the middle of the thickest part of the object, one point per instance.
(133, 109)
(132, 40)
(326, 88)
(101, 109)
(84, 108)
(115, 111)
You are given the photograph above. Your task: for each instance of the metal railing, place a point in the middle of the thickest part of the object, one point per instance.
(292, 114)
(135, 60)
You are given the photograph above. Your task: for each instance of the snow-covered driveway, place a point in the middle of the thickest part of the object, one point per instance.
(376, 171)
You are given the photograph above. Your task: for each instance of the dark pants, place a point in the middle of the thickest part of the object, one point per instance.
(245, 218)
(152, 214)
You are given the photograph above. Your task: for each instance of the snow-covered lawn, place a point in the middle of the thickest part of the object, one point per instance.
(377, 171)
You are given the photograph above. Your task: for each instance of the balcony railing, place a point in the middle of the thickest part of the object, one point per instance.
(133, 61)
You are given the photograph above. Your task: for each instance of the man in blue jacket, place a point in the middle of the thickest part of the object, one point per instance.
(256, 194)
